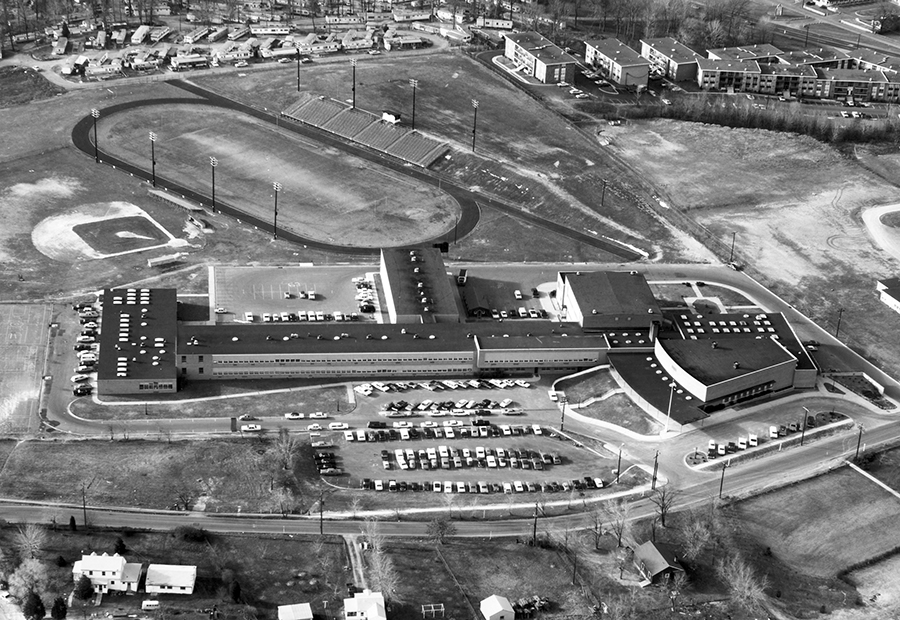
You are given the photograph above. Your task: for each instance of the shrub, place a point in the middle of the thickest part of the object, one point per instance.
(189, 533)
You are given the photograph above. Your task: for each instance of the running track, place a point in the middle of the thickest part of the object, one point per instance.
(468, 201)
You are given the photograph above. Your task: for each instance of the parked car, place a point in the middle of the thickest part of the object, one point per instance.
(251, 428)
(246, 417)
(82, 390)
(293, 415)
(318, 415)
(314, 427)
(80, 378)
(338, 426)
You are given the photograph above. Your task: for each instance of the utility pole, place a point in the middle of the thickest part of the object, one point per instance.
(353, 64)
(731, 256)
(655, 470)
(803, 428)
(858, 442)
(534, 527)
(603, 193)
(837, 331)
(321, 512)
(84, 501)
(722, 480)
(619, 465)
(298, 69)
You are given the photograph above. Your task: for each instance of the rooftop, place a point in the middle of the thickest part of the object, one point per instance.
(850, 75)
(417, 273)
(613, 293)
(672, 49)
(780, 69)
(813, 56)
(137, 334)
(540, 47)
(735, 66)
(174, 575)
(93, 562)
(617, 51)
(657, 557)
(712, 362)
(300, 611)
(744, 52)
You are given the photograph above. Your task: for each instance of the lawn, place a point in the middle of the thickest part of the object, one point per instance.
(326, 195)
(588, 385)
(271, 570)
(817, 527)
(621, 411)
(886, 467)
(425, 580)
(22, 85)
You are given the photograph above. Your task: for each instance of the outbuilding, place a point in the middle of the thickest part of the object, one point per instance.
(497, 607)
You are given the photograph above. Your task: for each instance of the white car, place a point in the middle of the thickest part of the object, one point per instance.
(402, 425)
(666, 102)
(318, 415)
(221, 310)
(241, 64)
(80, 378)
(314, 427)
(522, 383)
(520, 488)
(250, 428)
(248, 316)
(452, 423)
(506, 402)
(267, 318)
(338, 426)
(283, 61)
(428, 424)
(373, 52)
(563, 84)
(85, 339)
(90, 325)
(246, 417)
(293, 415)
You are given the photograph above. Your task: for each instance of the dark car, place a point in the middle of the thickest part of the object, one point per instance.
(365, 484)
(81, 346)
(82, 390)
(535, 293)
(376, 424)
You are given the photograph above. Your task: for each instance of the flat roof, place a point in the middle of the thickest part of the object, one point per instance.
(612, 293)
(744, 52)
(541, 48)
(618, 52)
(672, 49)
(715, 361)
(639, 372)
(305, 338)
(556, 339)
(813, 56)
(735, 66)
(410, 280)
(850, 75)
(138, 333)
(780, 69)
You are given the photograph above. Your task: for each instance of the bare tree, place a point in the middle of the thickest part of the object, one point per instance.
(30, 539)
(617, 512)
(356, 505)
(439, 529)
(664, 499)
(384, 576)
(596, 525)
(374, 535)
(286, 446)
(449, 500)
(31, 576)
(747, 589)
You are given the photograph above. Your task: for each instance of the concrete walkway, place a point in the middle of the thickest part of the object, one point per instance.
(874, 479)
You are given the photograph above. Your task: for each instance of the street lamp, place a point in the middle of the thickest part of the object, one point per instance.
(803, 428)
(474, 122)
(353, 64)
(96, 114)
(722, 480)
(669, 411)
(277, 187)
(414, 83)
(153, 157)
(213, 162)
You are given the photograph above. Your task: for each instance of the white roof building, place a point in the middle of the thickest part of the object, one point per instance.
(300, 611)
(108, 572)
(170, 579)
(365, 605)
(497, 607)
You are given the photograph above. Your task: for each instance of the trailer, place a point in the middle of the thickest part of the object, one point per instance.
(59, 48)
(401, 15)
(344, 20)
(218, 34)
(100, 41)
(120, 37)
(496, 24)
(239, 32)
(282, 52)
(158, 34)
(196, 35)
(270, 31)
(140, 35)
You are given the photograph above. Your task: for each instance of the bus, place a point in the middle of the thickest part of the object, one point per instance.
(238, 32)
(270, 31)
(59, 48)
(140, 35)
(194, 61)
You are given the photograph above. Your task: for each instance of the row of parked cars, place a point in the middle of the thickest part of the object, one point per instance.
(367, 389)
(86, 348)
(462, 407)
(775, 431)
(460, 486)
(443, 457)
(483, 429)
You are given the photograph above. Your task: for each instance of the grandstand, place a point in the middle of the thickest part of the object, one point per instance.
(367, 129)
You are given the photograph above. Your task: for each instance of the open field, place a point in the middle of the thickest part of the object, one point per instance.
(878, 589)
(886, 467)
(327, 195)
(23, 329)
(22, 85)
(538, 161)
(806, 525)
(424, 580)
(798, 223)
(270, 570)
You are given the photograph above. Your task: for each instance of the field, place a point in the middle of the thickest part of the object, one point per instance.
(121, 234)
(22, 353)
(270, 570)
(327, 195)
(22, 85)
(817, 527)
(797, 223)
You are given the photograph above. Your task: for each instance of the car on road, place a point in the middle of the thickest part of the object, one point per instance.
(293, 415)
(80, 378)
(373, 52)
(82, 390)
(221, 310)
(338, 426)
(241, 64)
(318, 415)
(314, 427)
(283, 61)
(402, 424)
(452, 423)
(246, 417)
(251, 428)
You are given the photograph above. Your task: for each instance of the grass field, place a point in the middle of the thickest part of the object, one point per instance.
(22, 85)
(327, 195)
(886, 467)
(425, 580)
(120, 234)
(797, 224)
(817, 527)
(271, 570)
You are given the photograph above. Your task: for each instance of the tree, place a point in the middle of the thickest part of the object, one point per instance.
(30, 540)
(60, 609)
(596, 516)
(617, 512)
(33, 607)
(31, 576)
(286, 447)
(234, 591)
(664, 498)
(384, 576)
(746, 588)
(72, 525)
(439, 529)
(374, 536)
(84, 589)
(119, 546)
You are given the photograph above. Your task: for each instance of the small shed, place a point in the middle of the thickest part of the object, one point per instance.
(300, 611)
(657, 562)
(391, 117)
(497, 607)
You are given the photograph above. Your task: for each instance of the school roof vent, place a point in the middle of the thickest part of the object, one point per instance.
(384, 337)
(233, 339)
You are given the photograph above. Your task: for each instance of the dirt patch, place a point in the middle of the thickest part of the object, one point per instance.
(22, 85)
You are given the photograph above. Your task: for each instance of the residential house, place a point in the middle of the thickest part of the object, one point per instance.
(170, 579)
(497, 607)
(108, 573)
(657, 562)
(365, 605)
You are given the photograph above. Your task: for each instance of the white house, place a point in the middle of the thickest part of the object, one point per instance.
(108, 572)
(170, 579)
(300, 611)
(365, 605)
(497, 607)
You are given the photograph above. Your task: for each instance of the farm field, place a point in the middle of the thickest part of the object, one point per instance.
(797, 224)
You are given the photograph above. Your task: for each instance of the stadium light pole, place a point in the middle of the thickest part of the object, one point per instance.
(474, 122)
(803, 428)
(837, 331)
(96, 114)
(353, 64)
(414, 83)
(277, 187)
(722, 479)
(669, 410)
(298, 69)
(153, 157)
(731, 256)
(213, 162)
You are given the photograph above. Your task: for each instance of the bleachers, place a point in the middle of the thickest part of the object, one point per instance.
(367, 129)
